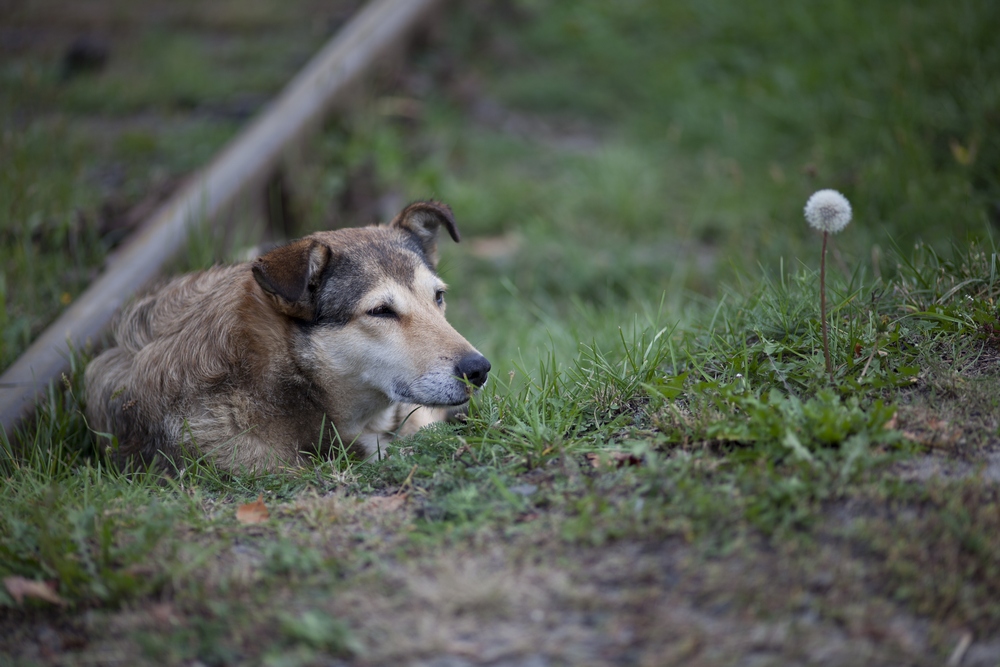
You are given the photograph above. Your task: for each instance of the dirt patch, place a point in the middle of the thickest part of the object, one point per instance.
(338, 579)
(629, 602)
(941, 467)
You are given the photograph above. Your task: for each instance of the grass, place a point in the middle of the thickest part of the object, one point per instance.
(660, 468)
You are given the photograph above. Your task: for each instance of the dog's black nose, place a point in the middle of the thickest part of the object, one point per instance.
(474, 367)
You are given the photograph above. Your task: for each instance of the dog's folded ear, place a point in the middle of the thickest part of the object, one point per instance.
(290, 273)
(424, 219)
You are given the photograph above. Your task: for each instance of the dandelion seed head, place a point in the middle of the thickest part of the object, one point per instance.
(828, 211)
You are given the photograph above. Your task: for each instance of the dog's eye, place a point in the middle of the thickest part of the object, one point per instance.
(439, 297)
(382, 311)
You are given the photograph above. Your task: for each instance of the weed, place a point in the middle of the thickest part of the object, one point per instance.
(829, 212)
(320, 631)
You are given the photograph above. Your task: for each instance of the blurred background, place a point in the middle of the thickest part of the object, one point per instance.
(604, 160)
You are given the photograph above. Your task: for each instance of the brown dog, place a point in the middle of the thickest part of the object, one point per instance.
(339, 337)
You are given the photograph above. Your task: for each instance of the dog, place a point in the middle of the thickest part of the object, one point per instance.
(335, 339)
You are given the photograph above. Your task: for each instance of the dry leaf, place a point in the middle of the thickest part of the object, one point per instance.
(464, 449)
(388, 503)
(935, 435)
(892, 423)
(613, 459)
(21, 588)
(937, 425)
(251, 513)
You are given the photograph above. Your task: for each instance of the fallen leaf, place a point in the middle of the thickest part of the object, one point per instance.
(613, 459)
(251, 513)
(936, 437)
(20, 588)
(937, 425)
(387, 503)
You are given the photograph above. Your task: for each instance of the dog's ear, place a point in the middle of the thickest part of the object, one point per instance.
(290, 274)
(423, 219)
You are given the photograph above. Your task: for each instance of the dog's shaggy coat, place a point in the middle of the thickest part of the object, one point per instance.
(337, 338)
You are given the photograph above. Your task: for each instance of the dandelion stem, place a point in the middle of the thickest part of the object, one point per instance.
(822, 306)
(829, 212)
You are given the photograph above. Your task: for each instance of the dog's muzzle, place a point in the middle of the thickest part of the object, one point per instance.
(473, 367)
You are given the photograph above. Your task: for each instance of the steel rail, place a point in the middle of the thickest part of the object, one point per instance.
(376, 32)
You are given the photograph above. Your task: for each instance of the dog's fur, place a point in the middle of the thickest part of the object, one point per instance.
(339, 337)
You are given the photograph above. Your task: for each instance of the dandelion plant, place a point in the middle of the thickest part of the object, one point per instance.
(829, 212)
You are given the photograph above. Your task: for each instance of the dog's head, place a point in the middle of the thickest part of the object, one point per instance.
(370, 309)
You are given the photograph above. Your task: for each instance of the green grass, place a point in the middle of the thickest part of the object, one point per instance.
(659, 430)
